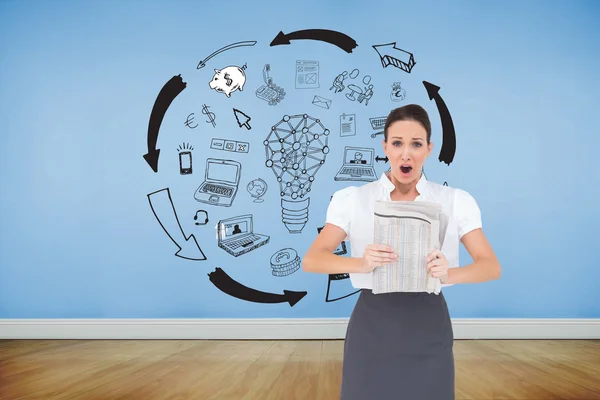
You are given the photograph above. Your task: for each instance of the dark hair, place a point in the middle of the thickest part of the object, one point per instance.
(409, 112)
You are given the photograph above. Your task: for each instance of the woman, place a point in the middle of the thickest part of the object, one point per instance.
(400, 345)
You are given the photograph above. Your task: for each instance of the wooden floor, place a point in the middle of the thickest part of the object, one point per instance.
(281, 370)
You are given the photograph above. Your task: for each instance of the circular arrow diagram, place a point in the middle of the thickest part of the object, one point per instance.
(162, 204)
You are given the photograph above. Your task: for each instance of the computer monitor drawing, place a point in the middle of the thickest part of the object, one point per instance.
(236, 235)
(338, 287)
(221, 181)
(357, 165)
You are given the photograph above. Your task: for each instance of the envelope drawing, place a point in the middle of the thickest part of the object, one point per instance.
(321, 102)
(310, 78)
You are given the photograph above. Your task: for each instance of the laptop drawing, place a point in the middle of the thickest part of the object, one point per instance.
(220, 182)
(358, 165)
(236, 235)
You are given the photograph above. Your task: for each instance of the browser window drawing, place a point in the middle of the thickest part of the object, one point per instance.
(357, 166)
(321, 102)
(307, 74)
(221, 181)
(237, 237)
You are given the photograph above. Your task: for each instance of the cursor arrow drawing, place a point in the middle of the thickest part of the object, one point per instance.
(165, 97)
(448, 133)
(227, 285)
(164, 211)
(242, 119)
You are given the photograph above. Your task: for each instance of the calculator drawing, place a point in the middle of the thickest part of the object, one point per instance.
(270, 92)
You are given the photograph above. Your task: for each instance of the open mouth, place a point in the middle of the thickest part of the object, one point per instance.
(405, 169)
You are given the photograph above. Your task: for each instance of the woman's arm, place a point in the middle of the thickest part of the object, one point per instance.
(320, 258)
(485, 266)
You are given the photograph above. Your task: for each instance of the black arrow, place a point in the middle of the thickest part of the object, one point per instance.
(164, 99)
(226, 284)
(448, 134)
(336, 38)
(377, 158)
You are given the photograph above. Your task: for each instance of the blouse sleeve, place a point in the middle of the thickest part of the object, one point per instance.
(341, 207)
(466, 212)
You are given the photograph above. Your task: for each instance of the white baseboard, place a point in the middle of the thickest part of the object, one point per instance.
(309, 328)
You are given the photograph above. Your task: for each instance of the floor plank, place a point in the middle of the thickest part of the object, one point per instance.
(276, 369)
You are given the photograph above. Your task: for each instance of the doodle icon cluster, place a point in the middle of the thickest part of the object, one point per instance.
(295, 148)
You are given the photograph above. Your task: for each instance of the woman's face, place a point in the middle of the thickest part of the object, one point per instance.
(407, 150)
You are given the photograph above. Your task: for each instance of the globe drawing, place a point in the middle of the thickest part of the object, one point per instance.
(257, 188)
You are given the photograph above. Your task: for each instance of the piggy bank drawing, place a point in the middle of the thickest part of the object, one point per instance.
(229, 79)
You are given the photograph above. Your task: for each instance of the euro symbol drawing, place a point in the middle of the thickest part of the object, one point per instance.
(189, 121)
(209, 114)
(283, 254)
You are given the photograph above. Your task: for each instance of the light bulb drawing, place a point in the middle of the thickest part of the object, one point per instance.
(296, 149)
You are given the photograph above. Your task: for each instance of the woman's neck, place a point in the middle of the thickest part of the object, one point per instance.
(403, 191)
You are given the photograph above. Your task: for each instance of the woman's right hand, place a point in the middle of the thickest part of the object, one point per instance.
(376, 255)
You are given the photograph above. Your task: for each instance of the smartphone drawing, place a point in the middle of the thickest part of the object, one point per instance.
(185, 162)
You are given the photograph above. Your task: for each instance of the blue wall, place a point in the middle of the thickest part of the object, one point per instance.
(79, 237)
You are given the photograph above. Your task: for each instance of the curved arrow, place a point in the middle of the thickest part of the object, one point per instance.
(202, 63)
(448, 134)
(164, 211)
(335, 38)
(165, 97)
(227, 285)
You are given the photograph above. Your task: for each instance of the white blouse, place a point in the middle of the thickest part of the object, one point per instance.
(352, 209)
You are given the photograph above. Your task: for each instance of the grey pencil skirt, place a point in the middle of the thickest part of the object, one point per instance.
(399, 346)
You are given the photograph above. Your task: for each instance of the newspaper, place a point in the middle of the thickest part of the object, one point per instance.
(414, 229)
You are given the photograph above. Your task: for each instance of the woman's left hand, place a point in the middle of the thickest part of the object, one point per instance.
(437, 265)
